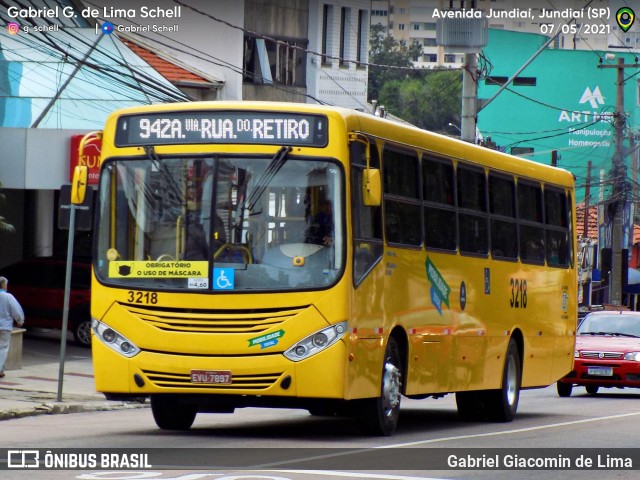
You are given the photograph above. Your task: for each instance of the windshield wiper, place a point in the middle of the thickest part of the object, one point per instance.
(264, 181)
(164, 171)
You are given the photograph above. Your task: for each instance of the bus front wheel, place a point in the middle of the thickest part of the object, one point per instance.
(170, 414)
(501, 405)
(379, 416)
(564, 389)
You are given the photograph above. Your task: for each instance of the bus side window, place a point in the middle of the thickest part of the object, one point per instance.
(472, 211)
(402, 208)
(367, 221)
(531, 228)
(437, 183)
(502, 207)
(557, 228)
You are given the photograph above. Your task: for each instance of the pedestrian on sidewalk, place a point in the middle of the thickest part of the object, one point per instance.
(10, 311)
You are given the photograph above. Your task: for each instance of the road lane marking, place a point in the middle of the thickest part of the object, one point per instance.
(355, 474)
(443, 439)
(509, 432)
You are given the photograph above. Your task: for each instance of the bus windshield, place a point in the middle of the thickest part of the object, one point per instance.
(233, 223)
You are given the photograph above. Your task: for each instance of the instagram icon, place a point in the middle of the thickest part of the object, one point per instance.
(13, 28)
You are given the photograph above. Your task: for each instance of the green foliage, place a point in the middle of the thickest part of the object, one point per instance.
(431, 102)
(4, 225)
(429, 99)
(387, 51)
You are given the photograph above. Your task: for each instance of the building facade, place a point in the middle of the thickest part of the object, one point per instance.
(414, 21)
(66, 80)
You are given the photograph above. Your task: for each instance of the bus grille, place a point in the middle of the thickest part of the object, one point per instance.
(240, 382)
(213, 321)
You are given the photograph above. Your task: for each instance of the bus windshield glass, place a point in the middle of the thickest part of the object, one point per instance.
(221, 223)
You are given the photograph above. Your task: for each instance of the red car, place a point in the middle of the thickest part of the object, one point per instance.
(38, 284)
(607, 353)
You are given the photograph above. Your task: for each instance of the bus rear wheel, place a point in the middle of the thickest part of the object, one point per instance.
(170, 414)
(379, 416)
(501, 405)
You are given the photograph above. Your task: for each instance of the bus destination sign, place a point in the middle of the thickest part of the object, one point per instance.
(190, 127)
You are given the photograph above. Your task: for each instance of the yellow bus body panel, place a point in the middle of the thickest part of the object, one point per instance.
(460, 347)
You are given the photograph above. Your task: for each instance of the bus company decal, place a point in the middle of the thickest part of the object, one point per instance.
(266, 341)
(440, 290)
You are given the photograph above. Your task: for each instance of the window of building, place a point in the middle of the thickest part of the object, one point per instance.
(493, 80)
(416, 26)
(362, 37)
(525, 81)
(431, 57)
(345, 36)
(282, 62)
(401, 26)
(449, 58)
(327, 32)
(430, 42)
(522, 151)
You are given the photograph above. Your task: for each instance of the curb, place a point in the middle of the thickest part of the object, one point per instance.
(56, 408)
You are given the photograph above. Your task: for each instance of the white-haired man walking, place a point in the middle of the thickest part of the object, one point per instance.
(10, 311)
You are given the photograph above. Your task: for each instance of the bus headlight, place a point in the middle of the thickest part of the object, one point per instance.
(316, 342)
(113, 339)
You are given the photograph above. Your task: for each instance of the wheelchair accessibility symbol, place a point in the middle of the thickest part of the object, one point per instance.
(223, 278)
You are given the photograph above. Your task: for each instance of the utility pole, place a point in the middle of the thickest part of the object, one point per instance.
(587, 193)
(469, 98)
(619, 176)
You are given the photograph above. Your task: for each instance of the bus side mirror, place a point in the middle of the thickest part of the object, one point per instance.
(79, 184)
(371, 187)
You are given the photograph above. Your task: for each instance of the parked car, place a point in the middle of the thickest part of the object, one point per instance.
(607, 353)
(38, 284)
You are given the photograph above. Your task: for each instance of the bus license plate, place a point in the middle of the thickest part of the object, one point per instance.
(600, 371)
(220, 377)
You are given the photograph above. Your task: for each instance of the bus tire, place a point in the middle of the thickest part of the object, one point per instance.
(470, 406)
(501, 405)
(170, 414)
(379, 416)
(564, 389)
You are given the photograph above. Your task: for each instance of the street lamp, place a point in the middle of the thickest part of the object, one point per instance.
(455, 126)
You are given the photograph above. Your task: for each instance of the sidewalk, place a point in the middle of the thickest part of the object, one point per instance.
(33, 389)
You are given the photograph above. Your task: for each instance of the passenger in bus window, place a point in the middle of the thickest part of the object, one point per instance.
(320, 231)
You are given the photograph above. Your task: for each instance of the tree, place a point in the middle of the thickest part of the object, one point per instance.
(388, 52)
(431, 102)
(4, 225)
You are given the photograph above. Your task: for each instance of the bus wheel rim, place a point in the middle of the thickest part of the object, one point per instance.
(512, 380)
(391, 388)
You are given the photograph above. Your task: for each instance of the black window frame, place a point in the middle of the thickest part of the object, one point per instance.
(406, 205)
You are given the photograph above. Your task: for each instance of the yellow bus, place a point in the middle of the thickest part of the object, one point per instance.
(301, 256)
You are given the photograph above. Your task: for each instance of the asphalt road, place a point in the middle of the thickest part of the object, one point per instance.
(430, 442)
